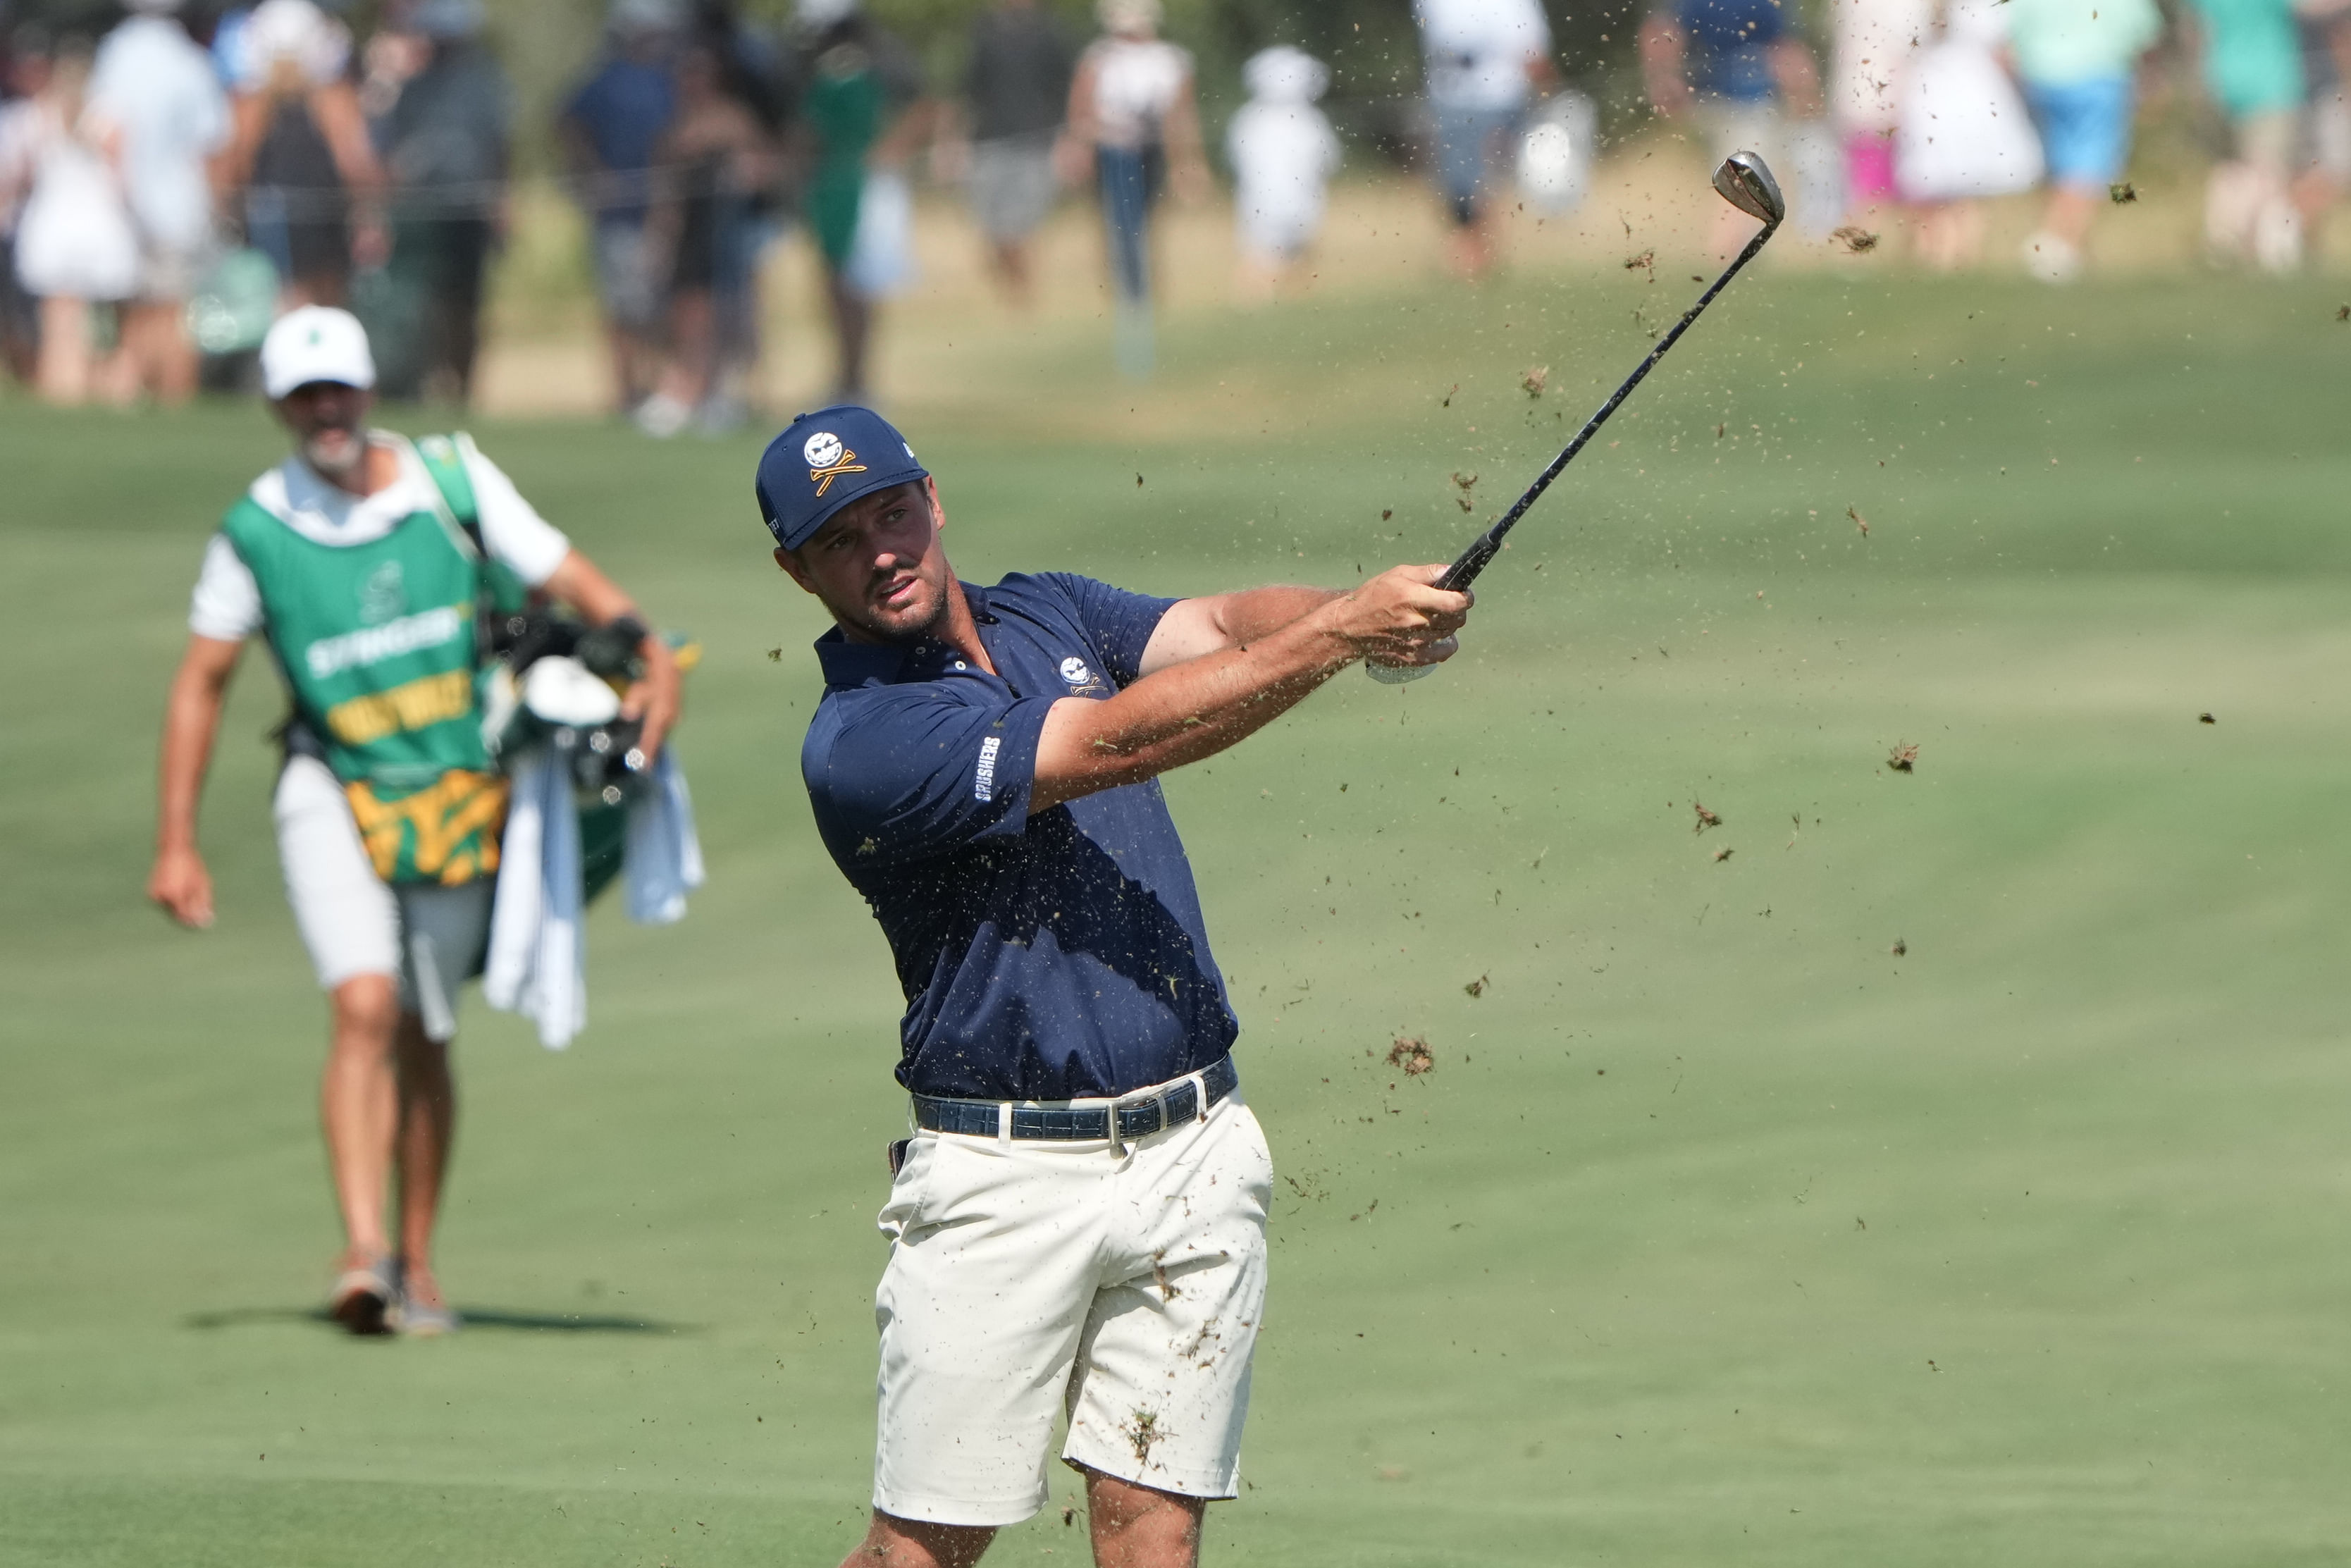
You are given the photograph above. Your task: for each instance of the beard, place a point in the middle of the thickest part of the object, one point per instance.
(336, 451)
(910, 622)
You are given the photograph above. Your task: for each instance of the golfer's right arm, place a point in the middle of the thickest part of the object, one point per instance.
(1199, 706)
(190, 720)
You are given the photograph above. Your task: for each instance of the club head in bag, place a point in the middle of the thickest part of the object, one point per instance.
(1746, 184)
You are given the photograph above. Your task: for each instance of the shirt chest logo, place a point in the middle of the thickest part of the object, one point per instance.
(384, 596)
(1079, 677)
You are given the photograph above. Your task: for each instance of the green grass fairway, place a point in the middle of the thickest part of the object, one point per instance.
(1721, 1233)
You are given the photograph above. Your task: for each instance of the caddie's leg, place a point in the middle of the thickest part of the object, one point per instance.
(428, 1123)
(359, 1105)
(1136, 1526)
(911, 1543)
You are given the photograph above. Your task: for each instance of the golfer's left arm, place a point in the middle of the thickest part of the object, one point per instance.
(654, 697)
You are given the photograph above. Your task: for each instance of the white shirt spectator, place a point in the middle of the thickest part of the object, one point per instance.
(1136, 82)
(157, 87)
(319, 46)
(227, 601)
(1877, 41)
(1283, 152)
(1478, 50)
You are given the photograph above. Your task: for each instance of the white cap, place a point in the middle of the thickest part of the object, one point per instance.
(1285, 75)
(315, 343)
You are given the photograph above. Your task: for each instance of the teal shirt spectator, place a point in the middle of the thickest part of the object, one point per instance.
(2062, 41)
(2253, 55)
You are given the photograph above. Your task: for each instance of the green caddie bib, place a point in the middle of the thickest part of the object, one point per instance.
(379, 645)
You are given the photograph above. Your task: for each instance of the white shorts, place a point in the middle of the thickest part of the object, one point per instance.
(430, 937)
(1029, 1280)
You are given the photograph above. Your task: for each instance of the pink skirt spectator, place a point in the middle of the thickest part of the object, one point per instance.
(1869, 166)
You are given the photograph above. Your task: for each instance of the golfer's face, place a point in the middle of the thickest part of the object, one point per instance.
(877, 564)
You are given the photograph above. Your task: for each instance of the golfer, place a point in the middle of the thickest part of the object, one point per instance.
(362, 560)
(1078, 1222)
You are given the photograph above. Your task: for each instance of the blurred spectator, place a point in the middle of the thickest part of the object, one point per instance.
(75, 242)
(300, 151)
(445, 150)
(2326, 58)
(756, 71)
(610, 130)
(1874, 44)
(1016, 88)
(1740, 69)
(1132, 108)
(863, 113)
(2252, 64)
(714, 159)
(1485, 58)
(1965, 134)
(156, 87)
(2078, 64)
(27, 72)
(1283, 152)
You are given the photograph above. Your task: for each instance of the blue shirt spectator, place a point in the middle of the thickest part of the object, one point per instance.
(619, 114)
(1728, 46)
(1054, 956)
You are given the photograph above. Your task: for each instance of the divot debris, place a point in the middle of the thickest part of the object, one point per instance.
(1475, 987)
(1535, 380)
(1856, 241)
(1706, 819)
(1412, 1055)
(2206, 719)
(1903, 758)
(2122, 193)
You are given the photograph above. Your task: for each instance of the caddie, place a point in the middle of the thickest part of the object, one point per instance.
(1078, 1222)
(371, 564)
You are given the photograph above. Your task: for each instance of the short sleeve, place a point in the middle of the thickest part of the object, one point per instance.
(226, 606)
(904, 773)
(1119, 624)
(512, 530)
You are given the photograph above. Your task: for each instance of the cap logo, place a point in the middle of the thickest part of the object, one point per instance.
(828, 460)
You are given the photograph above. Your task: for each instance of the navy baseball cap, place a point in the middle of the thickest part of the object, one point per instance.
(823, 462)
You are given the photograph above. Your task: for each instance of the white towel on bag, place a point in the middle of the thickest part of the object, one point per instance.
(537, 962)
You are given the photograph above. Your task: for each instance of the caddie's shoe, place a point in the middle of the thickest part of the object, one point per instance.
(420, 1312)
(363, 1295)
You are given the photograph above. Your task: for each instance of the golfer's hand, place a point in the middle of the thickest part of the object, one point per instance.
(1400, 617)
(655, 697)
(184, 887)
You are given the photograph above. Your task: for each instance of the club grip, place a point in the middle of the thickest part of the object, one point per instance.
(1397, 674)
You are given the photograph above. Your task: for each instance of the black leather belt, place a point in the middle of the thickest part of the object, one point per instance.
(1179, 1102)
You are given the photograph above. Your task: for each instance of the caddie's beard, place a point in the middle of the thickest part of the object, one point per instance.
(336, 451)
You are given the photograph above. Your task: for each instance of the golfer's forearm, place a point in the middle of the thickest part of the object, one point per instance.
(1258, 612)
(1183, 714)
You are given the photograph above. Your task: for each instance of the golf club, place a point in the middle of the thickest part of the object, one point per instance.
(1746, 184)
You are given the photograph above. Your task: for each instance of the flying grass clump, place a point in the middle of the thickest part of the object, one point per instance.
(1706, 819)
(1856, 241)
(1903, 758)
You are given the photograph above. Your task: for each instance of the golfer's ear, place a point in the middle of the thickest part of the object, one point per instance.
(938, 512)
(792, 569)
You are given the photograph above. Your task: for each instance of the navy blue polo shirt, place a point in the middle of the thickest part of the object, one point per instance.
(1057, 956)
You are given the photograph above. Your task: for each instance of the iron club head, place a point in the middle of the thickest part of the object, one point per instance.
(1746, 184)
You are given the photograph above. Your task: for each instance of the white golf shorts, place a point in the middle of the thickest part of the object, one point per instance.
(1029, 1280)
(429, 938)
